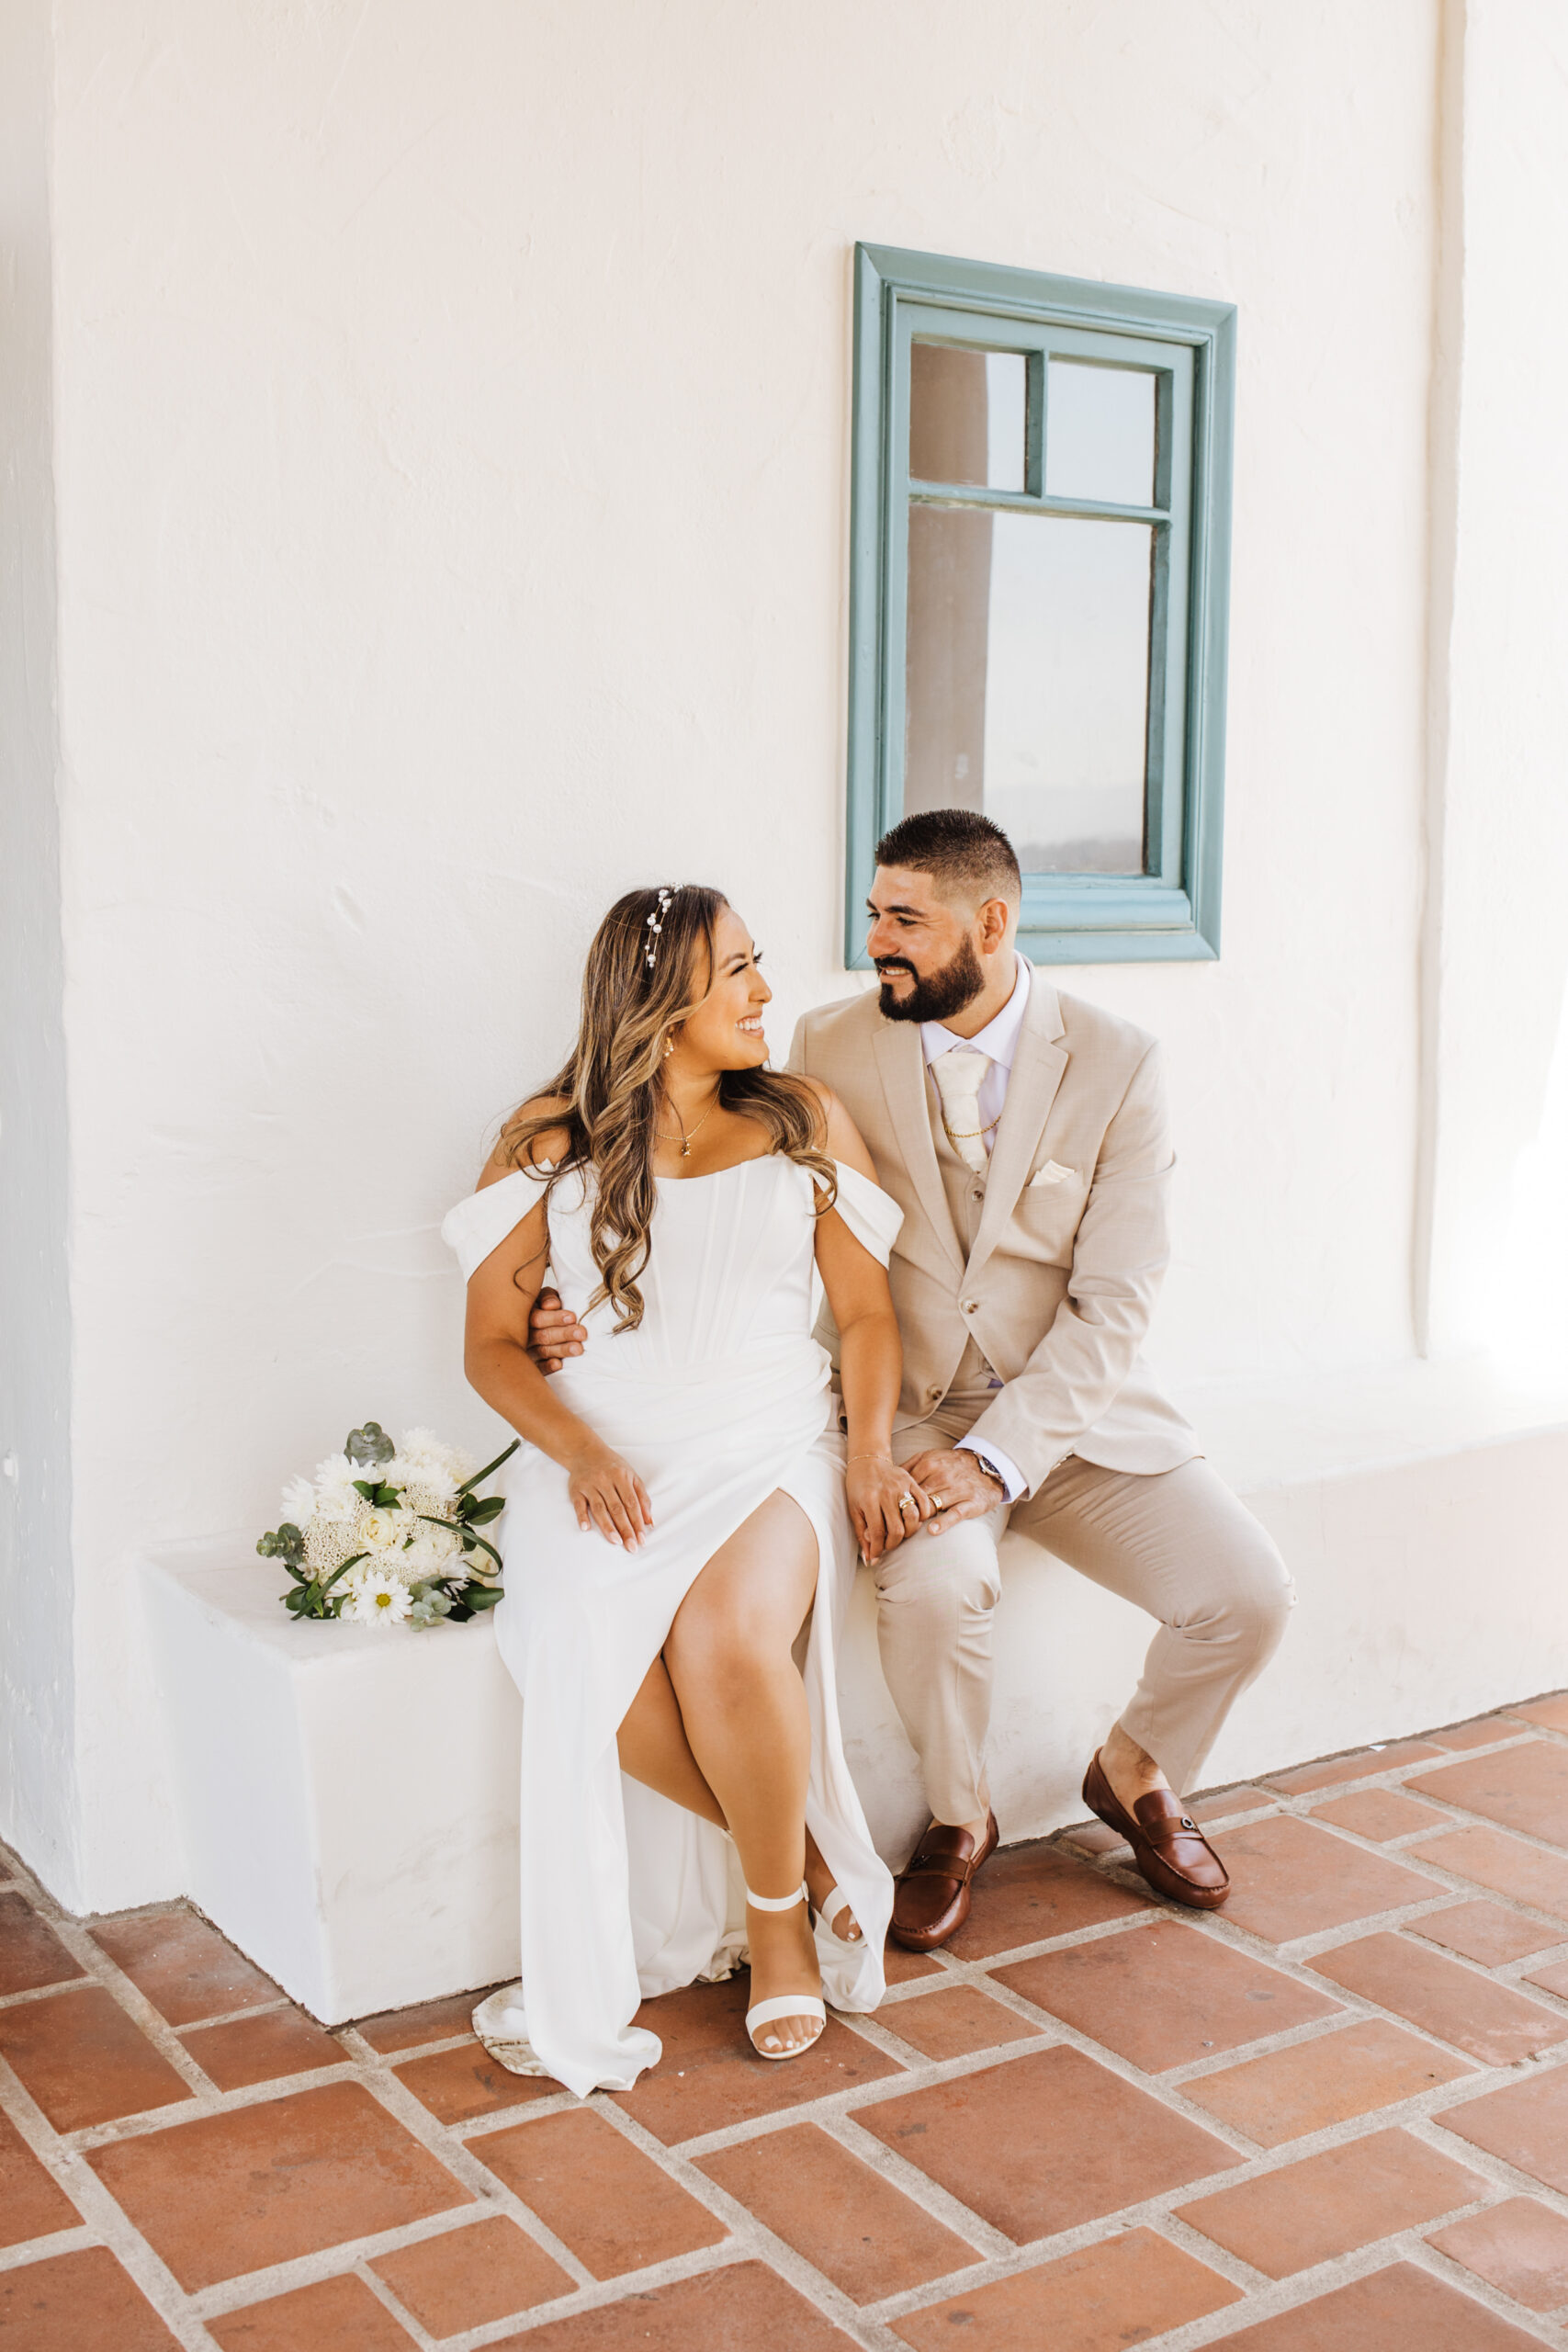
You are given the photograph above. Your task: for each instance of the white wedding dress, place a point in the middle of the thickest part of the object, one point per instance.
(718, 1400)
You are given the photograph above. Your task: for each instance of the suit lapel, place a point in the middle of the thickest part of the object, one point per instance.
(1037, 1069)
(901, 1063)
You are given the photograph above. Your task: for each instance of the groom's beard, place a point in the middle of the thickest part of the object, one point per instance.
(940, 995)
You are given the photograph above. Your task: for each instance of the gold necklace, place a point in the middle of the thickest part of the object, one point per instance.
(685, 1137)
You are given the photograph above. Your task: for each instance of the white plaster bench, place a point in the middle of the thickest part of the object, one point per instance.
(347, 1796)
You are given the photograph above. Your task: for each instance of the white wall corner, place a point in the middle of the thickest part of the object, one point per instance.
(1491, 1258)
(38, 1813)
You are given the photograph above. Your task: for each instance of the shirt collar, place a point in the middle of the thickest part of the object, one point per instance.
(997, 1039)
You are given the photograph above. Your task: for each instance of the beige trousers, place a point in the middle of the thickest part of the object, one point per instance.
(1175, 1542)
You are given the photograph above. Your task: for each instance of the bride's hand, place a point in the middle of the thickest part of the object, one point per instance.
(886, 1504)
(606, 1493)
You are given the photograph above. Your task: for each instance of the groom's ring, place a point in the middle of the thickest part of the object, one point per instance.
(938, 1501)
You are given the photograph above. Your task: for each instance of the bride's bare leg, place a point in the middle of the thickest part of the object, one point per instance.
(744, 1705)
(654, 1748)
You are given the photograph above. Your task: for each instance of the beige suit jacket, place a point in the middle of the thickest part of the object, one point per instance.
(1071, 1245)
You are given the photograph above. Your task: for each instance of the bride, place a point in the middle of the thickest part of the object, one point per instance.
(682, 1530)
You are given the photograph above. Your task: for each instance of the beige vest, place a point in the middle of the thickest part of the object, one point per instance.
(966, 1189)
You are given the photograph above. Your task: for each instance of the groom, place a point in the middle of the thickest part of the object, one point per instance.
(1023, 1134)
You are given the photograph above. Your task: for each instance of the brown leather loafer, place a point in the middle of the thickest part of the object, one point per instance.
(1169, 1848)
(931, 1899)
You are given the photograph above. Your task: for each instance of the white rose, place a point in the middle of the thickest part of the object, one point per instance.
(379, 1530)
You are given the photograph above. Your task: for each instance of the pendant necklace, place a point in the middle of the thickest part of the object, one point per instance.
(686, 1134)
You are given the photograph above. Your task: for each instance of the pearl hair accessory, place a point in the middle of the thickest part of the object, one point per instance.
(656, 924)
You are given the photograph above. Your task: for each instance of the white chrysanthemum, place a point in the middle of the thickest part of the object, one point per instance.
(424, 1485)
(424, 1450)
(376, 1599)
(298, 1500)
(420, 1560)
(335, 1494)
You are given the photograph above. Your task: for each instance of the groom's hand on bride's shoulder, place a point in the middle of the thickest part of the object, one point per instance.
(959, 1484)
(554, 1332)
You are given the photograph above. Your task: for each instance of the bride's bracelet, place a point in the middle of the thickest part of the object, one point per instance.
(871, 1457)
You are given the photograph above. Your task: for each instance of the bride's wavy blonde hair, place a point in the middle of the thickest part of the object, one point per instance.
(611, 1083)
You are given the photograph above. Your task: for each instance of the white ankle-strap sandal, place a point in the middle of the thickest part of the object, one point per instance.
(784, 2005)
(827, 1910)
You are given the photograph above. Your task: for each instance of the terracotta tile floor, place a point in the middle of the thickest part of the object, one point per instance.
(1332, 2118)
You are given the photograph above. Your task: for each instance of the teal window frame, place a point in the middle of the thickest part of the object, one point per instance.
(1171, 912)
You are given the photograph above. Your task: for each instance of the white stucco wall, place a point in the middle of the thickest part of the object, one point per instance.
(1497, 951)
(451, 452)
(37, 1777)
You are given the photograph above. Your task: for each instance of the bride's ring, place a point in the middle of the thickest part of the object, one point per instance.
(907, 1502)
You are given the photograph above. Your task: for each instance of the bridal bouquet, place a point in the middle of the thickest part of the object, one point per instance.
(385, 1533)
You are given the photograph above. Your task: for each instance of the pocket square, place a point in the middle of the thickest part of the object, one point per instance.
(1052, 1173)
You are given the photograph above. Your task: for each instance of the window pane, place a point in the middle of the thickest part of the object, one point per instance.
(1099, 433)
(1026, 682)
(966, 415)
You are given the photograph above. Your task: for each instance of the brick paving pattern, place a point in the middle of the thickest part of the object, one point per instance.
(1331, 2118)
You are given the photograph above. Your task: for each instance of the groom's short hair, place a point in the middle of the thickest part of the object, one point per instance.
(959, 849)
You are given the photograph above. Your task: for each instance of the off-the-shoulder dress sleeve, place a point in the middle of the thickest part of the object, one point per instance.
(482, 1222)
(872, 1214)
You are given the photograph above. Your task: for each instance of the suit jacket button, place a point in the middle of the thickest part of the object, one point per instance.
(971, 1307)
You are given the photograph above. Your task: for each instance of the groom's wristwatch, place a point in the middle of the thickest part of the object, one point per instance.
(991, 1470)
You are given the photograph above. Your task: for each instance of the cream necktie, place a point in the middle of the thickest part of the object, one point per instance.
(960, 1073)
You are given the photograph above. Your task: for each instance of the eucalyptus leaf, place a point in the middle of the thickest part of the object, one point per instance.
(481, 1514)
(369, 1445)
